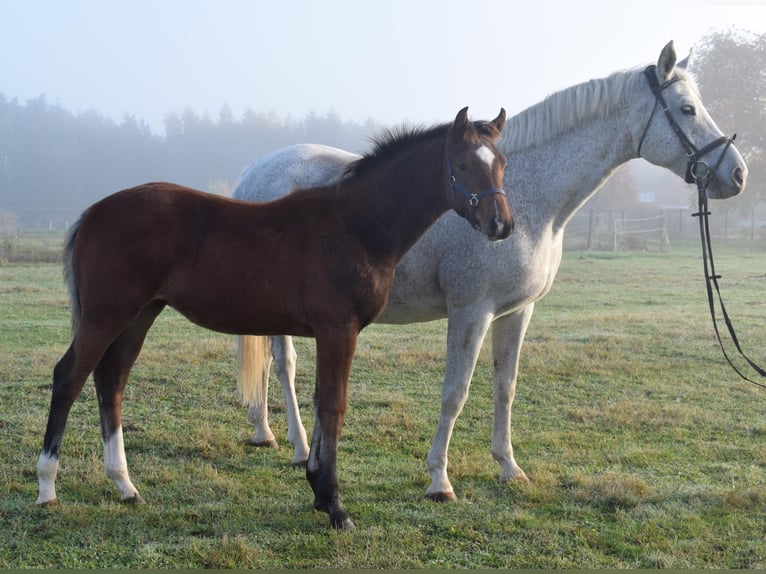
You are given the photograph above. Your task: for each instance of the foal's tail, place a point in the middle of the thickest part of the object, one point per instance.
(254, 360)
(69, 276)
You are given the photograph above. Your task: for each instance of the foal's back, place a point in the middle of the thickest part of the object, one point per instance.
(200, 253)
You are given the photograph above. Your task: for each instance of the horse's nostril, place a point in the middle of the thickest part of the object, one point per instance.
(738, 176)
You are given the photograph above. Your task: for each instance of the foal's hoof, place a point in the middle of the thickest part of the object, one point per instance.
(343, 524)
(268, 443)
(300, 463)
(53, 503)
(135, 499)
(441, 496)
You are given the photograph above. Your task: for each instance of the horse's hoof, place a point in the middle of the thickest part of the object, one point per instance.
(270, 443)
(53, 503)
(518, 479)
(300, 463)
(135, 499)
(441, 496)
(345, 524)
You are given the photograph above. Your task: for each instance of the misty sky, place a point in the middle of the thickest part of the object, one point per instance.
(389, 60)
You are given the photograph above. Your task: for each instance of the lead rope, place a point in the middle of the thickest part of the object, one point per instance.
(711, 278)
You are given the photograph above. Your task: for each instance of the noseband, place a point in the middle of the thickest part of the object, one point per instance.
(473, 198)
(697, 171)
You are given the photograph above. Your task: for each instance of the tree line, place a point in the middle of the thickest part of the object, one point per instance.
(52, 158)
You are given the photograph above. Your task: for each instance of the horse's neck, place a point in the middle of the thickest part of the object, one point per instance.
(549, 182)
(390, 212)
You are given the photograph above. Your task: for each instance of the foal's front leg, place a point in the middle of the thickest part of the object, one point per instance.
(335, 353)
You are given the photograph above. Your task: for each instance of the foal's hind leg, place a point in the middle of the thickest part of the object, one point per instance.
(111, 376)
(69, 376)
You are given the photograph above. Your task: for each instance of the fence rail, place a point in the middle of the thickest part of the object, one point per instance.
(655, 230)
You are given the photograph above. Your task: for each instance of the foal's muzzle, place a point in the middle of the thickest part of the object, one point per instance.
(498, 229)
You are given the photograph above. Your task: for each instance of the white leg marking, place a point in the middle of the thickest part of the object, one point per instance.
(486, 155)
(117, 466)
(47, 468)
(258, 416)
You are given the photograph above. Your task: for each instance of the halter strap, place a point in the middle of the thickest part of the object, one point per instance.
(691, 150)
(473, 198)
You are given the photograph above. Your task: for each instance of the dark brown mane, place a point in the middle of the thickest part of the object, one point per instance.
(391, 142)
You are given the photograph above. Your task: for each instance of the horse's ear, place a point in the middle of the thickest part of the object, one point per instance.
(684, 64)
(499, 122)
(461, 124)
(667, 61)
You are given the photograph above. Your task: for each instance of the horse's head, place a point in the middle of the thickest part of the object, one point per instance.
(674, 130)
(475, 170)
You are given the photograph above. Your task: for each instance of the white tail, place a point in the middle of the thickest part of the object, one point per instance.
(254, 361)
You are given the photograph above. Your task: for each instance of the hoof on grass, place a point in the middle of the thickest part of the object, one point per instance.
(270, 443)
(520, 479)
(135, 499)
(345, 524)
(53, 503)
(441, 496)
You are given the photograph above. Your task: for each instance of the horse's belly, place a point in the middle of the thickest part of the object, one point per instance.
(401, 311)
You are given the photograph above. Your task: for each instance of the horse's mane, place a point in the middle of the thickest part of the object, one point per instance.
(392, 142)
(571, 107)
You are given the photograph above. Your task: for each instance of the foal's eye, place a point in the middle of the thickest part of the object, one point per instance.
(462, 166)
(688, 110)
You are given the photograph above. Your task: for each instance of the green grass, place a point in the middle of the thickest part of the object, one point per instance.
(644, 449)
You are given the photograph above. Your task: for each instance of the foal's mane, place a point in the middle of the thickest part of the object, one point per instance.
(391, 142)
(570, 108)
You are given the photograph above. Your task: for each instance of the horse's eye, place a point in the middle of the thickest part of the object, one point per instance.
(462, 166)
(688, 110)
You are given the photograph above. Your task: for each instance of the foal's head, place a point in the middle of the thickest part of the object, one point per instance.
(475, 170)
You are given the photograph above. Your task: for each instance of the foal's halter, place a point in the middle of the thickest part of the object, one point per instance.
(699, 172)
(473, 198)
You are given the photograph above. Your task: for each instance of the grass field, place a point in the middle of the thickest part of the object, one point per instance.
(643, 447)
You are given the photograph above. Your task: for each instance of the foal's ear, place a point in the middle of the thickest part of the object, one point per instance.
(667, 61)
(461, 124)
(499, 122)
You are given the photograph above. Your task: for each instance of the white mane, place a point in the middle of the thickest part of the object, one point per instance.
(570, 108)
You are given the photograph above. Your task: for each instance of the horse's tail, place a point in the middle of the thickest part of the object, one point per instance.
(254, 360)
(69, 275)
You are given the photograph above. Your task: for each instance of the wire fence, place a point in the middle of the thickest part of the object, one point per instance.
(656, 230)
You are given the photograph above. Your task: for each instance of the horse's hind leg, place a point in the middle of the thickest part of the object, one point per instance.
(111, 377)
(285, 358)
(283, 352)
(69, 376)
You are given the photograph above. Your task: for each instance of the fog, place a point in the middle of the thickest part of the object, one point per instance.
(105, 95)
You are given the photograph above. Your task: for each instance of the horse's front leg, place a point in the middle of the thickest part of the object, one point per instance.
(335, 353)
(465, 333)
(507, 337)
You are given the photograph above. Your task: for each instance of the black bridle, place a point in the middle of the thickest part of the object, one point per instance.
(692, 152)
(698, 172)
